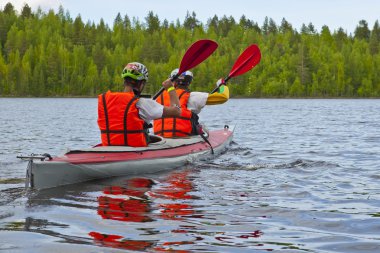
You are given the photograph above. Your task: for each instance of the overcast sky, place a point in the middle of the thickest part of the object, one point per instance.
(333, 13)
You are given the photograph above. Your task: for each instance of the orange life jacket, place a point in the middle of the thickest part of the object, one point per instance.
(119, 120)
(178, 126)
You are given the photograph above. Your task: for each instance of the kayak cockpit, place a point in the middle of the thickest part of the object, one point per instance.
(158, 144)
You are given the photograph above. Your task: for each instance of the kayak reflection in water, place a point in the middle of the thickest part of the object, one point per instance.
(177, 188)
(133, 203)
(129, 204)
(134, 207)
(117, 241)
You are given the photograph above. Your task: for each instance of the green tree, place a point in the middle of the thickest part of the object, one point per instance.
(366, 88)
(26, 11)
(52, 68)
(265, 27)
(285, 26)
(326, 36)
(191, 21)
(9, 9)
(341, 38)
(91, 85)
(272, 27)
(374, 41)
(362, 31)
(152, 22)
(246, 23)
(297, 89)
(104, 80)
(14, 71)
(304, 67)
(78, 32)
(4, 88)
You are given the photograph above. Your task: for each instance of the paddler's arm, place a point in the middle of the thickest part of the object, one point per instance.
(174, 110)
(220, 96)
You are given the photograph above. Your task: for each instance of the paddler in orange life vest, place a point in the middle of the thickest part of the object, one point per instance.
(191, 105)
(124, 117)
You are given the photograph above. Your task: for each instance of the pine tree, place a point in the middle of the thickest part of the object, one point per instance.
(374, 41)
(362, 31)
(26, 11)
(152, 22)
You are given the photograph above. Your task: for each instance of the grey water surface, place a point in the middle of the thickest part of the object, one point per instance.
(300, 176)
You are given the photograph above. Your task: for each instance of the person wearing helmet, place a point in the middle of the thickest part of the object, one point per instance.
(124, 117)
(191, 105)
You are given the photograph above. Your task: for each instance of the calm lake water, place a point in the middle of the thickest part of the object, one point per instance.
(300, 176)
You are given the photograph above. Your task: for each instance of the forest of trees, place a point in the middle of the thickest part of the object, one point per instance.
(52, 54)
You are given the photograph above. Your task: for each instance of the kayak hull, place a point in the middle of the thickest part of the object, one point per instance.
(103, 162)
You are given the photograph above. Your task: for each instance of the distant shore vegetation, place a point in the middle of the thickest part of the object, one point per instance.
(53, 54)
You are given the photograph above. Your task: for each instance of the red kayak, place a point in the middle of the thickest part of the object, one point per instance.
(98, 162)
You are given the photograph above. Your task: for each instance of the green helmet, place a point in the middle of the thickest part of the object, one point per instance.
(136, 71)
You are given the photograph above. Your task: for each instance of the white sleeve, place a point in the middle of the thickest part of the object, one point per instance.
(149, 109)
(197, 101)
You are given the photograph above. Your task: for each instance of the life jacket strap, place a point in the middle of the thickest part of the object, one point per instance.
(106, 116)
